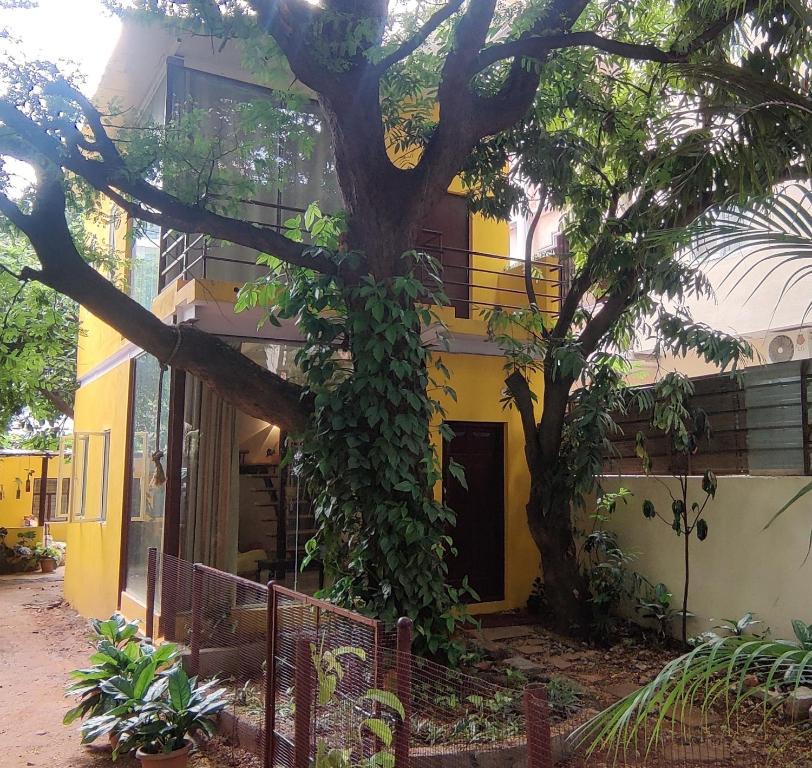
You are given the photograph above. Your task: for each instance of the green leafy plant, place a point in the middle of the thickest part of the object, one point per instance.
(124, 693)
(606, 565)
(169, 710)
(38, 339)
(686, 426)
(656, 603)
(47, 553)
(739, 627)
(367, 460)
(472, 719)
(714, 672)
(732, 627)
(803, 634)
(21, 557)
(329, 673)
(119, 655)
(564, 697)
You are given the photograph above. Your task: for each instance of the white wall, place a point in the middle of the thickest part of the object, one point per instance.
(739, 567)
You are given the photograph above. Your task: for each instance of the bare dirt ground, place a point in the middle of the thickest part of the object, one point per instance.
(41, 640)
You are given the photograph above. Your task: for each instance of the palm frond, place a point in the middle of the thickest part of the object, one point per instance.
(778, 224)
(712, 674)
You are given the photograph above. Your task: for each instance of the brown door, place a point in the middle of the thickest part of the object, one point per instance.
(445, 236)
(479, 535)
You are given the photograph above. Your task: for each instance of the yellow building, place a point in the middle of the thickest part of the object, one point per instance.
(226, 502)
(23, 506)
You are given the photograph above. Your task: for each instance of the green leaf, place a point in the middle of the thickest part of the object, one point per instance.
(457, 471)
(144, 679)
(388, 699)
(180, 692)
(381, 730)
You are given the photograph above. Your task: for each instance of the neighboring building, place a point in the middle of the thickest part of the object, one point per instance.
(226, 502)
(22, 504)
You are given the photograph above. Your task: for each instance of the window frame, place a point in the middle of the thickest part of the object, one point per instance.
(53, 511)
(77, 508)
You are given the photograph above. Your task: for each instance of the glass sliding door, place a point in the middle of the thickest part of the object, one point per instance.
(147, 480)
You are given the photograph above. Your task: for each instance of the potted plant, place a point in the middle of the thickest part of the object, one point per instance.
(173, 709)
(47, 557)
(125, 693)
(119, 661)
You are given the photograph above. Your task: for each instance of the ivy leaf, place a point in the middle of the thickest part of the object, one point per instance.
(457, 471)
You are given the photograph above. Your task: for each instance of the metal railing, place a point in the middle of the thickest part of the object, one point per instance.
(470, 278)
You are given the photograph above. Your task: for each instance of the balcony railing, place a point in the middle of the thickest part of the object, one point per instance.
(471, 279)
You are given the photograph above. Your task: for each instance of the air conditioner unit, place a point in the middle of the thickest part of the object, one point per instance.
(790, 344)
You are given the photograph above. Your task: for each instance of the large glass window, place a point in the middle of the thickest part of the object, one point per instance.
(84, 466)
(147, 479)
(271, 161)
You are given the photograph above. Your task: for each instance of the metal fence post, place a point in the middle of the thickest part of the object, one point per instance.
(270, 678)
(403, 689)
(537, 724)
(303, 698)
(152, 573)
(373, 744)
(197, 618)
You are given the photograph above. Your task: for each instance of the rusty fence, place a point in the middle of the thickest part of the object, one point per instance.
(313, 684)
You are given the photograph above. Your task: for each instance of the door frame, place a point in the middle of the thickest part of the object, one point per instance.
(500, 429)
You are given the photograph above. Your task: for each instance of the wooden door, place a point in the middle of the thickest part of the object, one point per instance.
(445, 236)
(479, 535)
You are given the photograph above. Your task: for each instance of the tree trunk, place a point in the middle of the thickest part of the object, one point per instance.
(566, 591)
(549, 510)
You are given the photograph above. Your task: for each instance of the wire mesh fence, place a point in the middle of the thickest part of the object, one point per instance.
(222, 621)
(312, 684)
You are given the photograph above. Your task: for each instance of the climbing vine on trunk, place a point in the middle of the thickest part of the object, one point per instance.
(367, 459)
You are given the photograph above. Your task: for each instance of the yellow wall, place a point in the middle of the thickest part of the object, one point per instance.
(12, 509)
(740, 567)
(97, 341)
(91, 576)
(478, 381)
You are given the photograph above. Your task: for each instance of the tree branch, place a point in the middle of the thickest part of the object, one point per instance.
(528, 258)
(601, 323)
(518, 387)
(538, 47)
(110, 176)
(59, 402)
(409, 46)
(238, 379)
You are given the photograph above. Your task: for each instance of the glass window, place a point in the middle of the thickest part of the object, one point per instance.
(87, 485)
(284, 149)
(147, 480)
(53, 510)
(273, 160)
(146, 239)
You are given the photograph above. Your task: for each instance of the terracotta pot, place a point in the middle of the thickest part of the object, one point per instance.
(48, 564)
(177, 759)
